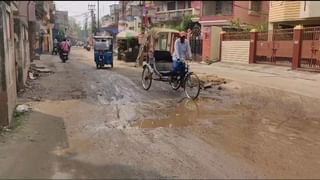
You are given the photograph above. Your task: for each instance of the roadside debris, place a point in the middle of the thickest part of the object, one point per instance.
(31, 76)
(40, 68)
(23, 108)
(208, 81)
(36, 98)
(207, 85)
(44, 70)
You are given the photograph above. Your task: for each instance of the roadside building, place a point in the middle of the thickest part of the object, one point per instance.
(122, 24)
(23, 22)
(287, 14)
(8, 91)
(114, 13)
(60, 24)
(217, 16)
(45, 24)
(171, 13)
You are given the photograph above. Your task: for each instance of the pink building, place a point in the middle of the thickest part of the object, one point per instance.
(216, 16)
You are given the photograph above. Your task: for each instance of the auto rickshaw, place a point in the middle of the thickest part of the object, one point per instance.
(128, 45)
(103, 51)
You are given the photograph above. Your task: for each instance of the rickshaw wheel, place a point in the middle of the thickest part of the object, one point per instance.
(192, 86)
(146, 78)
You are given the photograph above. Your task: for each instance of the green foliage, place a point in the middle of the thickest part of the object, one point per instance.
(236, 24)
(260, 27)
(187, 23)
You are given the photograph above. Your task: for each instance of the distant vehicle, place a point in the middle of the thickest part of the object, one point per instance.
(64, 57)
(55, 50)
(103, 51)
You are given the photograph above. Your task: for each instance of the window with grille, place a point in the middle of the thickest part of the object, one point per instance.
(171, 5)
(217, 8)
(224, 8)
(189, 4)
(181, 4)
(255, 6)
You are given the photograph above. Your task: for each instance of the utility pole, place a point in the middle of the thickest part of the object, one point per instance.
(86, 26)
(98, 18)
(143, 15)
(91, 8)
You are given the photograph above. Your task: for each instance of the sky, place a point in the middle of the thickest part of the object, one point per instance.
(76, 8)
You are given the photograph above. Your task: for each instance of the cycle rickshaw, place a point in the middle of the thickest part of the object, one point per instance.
(159, 43)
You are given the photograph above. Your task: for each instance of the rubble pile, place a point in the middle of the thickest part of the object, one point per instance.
(207, 81)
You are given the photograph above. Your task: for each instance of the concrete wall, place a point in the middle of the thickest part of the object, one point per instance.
(8, 92)
(235, 51)
(244, 15)
(22, 46)
(211, 43)
(309, 9)
(215, 41)
(22, 52)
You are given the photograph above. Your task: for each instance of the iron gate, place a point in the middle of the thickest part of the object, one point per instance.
(310, 48)
(275, 47)
(196, 43)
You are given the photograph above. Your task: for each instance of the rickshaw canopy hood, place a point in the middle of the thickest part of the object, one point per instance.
(102, 37)
(127, 34)
(156, 31)
(160, 30)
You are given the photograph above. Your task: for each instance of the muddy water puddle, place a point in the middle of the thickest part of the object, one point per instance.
(187, 113)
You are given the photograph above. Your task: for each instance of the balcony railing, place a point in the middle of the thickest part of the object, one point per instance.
(174, 14)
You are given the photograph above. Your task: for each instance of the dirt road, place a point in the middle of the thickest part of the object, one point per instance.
(89, 123)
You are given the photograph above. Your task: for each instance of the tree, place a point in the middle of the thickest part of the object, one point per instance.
(185, 24)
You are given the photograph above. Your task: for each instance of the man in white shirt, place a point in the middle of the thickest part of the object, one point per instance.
(182, 51)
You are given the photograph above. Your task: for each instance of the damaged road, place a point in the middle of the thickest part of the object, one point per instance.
(87, 123)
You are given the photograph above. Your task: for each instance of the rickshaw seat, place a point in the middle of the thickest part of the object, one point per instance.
(162, 56)
(163, 62)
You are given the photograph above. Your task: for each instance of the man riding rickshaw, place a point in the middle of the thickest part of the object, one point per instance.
(172, 68)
